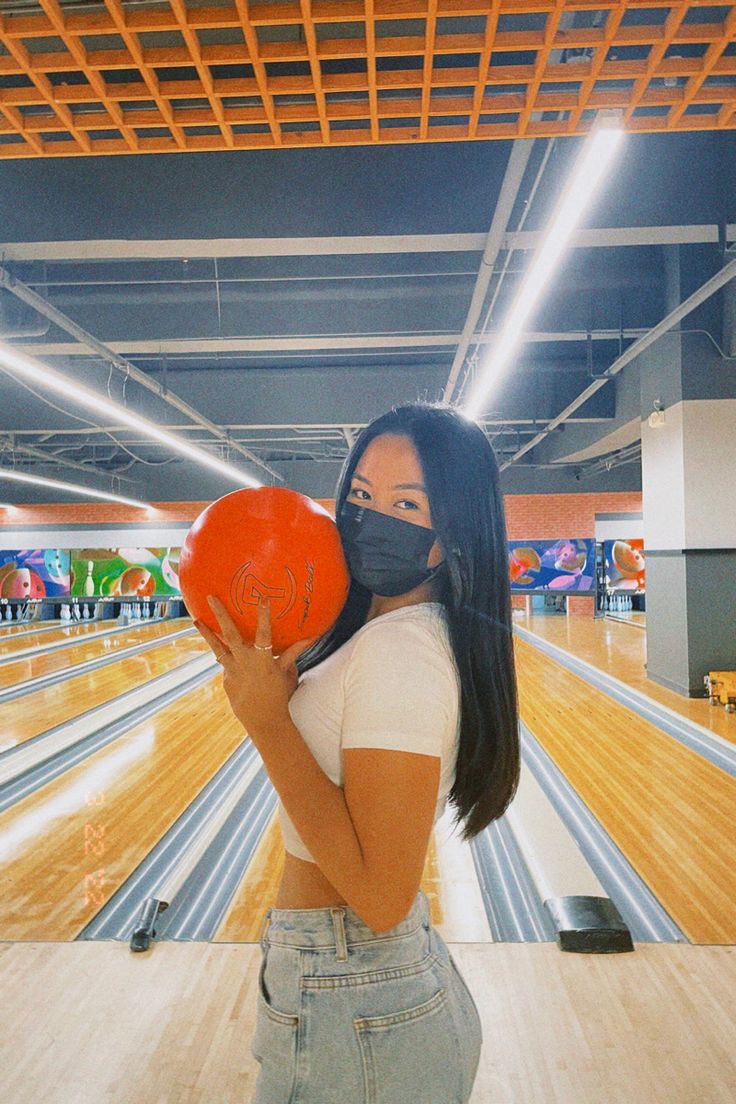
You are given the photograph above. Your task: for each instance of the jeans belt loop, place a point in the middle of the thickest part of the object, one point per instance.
(341, 943)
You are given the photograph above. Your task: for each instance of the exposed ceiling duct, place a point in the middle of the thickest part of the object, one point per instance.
(19, 320)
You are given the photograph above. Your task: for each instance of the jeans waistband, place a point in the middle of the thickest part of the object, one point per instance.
(334, 926)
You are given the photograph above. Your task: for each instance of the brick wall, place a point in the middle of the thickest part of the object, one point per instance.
(532, 516)
(554, 516)
(110, 513)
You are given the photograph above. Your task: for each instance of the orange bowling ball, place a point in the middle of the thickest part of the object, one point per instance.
(266, 541)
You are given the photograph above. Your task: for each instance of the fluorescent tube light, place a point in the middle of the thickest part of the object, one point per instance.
(30, 368)
(74, 487)
(593, 161)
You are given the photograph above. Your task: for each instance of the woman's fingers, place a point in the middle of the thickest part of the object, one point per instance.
(211, 638)
(228, 627)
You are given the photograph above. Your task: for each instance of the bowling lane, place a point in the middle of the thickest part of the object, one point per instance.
(621, 651)
(10, 629)
(26, 636)
(668, 809)
(449, 879)
(56, 873)
(34, 713)
(30, 667)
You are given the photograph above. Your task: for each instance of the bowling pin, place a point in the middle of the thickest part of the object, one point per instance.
(8, 613)
(89, 583)
(85, 613)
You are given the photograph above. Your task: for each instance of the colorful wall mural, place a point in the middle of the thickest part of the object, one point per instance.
(124, 572)
(625, 564)
(34, 573)
(552, 565)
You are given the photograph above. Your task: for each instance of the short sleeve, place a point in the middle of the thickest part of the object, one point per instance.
(400, 690)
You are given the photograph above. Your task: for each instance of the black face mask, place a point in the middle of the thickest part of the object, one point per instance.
(386, 555)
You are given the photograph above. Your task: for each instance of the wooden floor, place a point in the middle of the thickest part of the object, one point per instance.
(92, 1021)
(87, 1023)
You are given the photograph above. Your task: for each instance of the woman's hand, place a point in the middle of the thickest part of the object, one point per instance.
(258, 684)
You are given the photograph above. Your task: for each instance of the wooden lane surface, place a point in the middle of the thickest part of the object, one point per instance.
(133, 790)
(621, 650)
(34, 713)
(11, 630)
(17, 642)
(147, 779)
(668, 809)
(29, 668)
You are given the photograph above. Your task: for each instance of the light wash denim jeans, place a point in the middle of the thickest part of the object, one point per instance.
(347, 1015)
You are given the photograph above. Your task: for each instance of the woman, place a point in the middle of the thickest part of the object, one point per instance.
(417, 674)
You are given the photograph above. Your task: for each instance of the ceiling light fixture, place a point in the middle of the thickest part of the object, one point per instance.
(75, 488)
(27, 367)
(593, 161)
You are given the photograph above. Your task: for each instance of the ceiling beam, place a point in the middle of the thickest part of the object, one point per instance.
(191, 248)
(298, 344)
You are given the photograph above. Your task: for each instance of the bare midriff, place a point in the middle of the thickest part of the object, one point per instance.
(303, 885)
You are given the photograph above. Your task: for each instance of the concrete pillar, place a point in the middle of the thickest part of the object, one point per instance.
(689, 503)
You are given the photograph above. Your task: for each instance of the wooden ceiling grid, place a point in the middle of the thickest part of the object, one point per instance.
(186, 77)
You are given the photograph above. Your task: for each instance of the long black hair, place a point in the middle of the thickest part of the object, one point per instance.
(462, 480)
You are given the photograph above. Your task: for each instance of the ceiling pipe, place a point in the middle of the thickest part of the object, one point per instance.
(27, 295)
(57, 460)
(518, 159)
(704, 292)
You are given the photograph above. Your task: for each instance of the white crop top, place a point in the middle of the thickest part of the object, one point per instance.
(393, 684)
